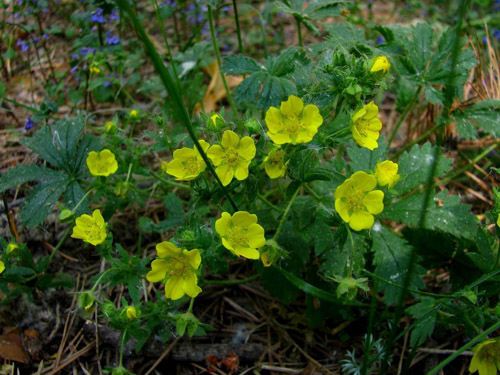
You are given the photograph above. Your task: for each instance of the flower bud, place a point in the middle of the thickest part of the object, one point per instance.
(86, 301)
(11, 247)
(349, 287)
(111, 127)
(253, 126)
(131, 313)
(216, 123)
(66, 216)
(271, 252)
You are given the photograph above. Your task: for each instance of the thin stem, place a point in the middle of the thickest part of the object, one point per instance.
(469, 165)
(219, 64)
(122, 345)
(96, 284)
(238, 32)
(269, 204)
(171, 183)
(165, 39)
(59, 244)
(232, 282)
(476, 339)
(299, 32)
(282, 221)
(191, 304)
(81, 200)
(312, 192)
(351, 258)
(403, 115)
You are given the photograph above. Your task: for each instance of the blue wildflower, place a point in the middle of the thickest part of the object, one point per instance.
(111, 39)
(36, 40)
(46, 36)
(24, 46)
(84, 51)
(98, 16)
(115, 15)
(29, 123)
(380, 40)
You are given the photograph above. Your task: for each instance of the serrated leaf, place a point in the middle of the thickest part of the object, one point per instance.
(425, 327)
(483, 115)
(44, 144)
(343, 35)
(305, 167)
(72, 196)
(444, 213)
(417, 165)
(239, 64)
(41, 201)
(274, 91)
(484, 258)
(391, 258)
(24, 173)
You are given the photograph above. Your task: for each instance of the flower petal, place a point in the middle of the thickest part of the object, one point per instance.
(225, 173)
(247, 148)
(216, 154)
(361, 220)
(222, 225)
(167, 249)
(244, 219)
(158, 270)
(230, 139)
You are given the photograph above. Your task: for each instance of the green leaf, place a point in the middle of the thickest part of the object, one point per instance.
(41, 201)
(444, 213)
(72, 196)
(417, 165)
(391, 258)
(483, 115)
(484, 258)
(337, 256)
(365, 160)
(274, 91)
(24, 173)
(343, 35)
(305, 167)
(44, 143)
(239, 64)
(425, 327)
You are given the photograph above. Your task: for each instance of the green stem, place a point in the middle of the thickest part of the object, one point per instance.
(81, 200)
(476, 339)
(191, 304)
(312, 192)
(351, 258)
(219, 64)
(282, 221)
(165, 39)
(416, 291)
(99, 279)
(238, 31)
(170, 86)
(32, 109)
(468, 166)
(299, 32)
(232, 282)
(58, 246)
(122, 345)
(171, 183)
(269, 204)
(403, 115)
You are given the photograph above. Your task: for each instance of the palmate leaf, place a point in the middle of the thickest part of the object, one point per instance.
(417, 165)
(23, 173)
(391, 256)
(265, 86)
(365, 160)
(444, 213)
(424, 309)
(42, 200)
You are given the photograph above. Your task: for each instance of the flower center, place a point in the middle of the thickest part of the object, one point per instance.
(238, 237)
(191, 165)
(94, 231)
(354, 199)
(232, 157)
(177, 266)
(362, 126)
(292, 124)
(276, 158)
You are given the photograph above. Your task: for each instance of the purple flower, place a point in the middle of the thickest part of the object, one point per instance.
(380, 40)
(111, 39)
(84, 51)
(497, 5)
(74, 57)
(45, 36)
(107, 83)
(97, 16)
(226, 9)
(24, 46)
(16, 15)
(115, 15)
(19, 2)
(29, 123)
(36, 40)
(73, 69)
(169, 3)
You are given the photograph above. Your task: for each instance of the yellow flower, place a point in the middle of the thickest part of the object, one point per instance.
(177, 268)
(274, 163)
(365, 126)
(91, 229)
(131, 313)
(292, 122)
(134, 114)
(102, 163)
(232, 157)
(187, 163)
(498, 220)
(381, 63)
(357, 202)
(386, 173)
(486, 358)
(11, 247)
(241, 234)
(94, 70)
(2, 267)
